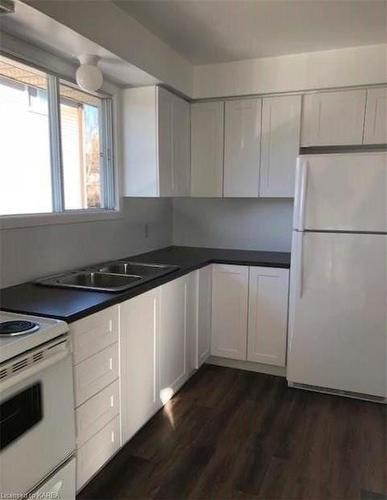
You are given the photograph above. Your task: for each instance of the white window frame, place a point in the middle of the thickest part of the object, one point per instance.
(109, 194)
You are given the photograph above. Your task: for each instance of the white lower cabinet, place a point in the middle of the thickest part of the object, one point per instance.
(204, 309)
(229, 311)
(97, 412)
(95, 373)
(95, 341)
(147, 347)
(268, 315)
(174, 340)
(249, 313)
(97, 450)
(139, 330)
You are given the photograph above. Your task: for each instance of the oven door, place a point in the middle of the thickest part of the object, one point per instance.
(36, 416)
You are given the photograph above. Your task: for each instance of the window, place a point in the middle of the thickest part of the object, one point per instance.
(55, 153)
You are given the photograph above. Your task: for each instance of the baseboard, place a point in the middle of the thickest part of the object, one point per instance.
(279, 371)
(338, 392)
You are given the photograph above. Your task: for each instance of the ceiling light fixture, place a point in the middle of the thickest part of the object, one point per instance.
(88, 76)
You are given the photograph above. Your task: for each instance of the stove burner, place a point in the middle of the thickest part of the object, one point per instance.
(17, 327)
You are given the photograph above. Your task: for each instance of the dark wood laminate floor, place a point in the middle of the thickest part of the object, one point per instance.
(231, 434)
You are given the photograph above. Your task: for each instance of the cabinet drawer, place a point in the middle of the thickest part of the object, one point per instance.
(93, 415)
(93, 454)
(95, 373)
(92, 334)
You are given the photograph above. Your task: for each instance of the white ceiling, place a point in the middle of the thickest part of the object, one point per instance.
(39, 30)
(210, 31)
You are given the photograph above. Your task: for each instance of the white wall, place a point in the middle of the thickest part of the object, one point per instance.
(32, 252)
(313, 70)
(251, 224)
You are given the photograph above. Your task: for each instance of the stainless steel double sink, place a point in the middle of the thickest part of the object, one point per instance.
(110, 277)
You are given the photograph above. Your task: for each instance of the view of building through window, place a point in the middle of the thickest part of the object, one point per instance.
(25, 171)
(32, 173)
(80, 130)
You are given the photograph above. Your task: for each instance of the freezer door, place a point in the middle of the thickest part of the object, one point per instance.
(341, 192)
(338, 312)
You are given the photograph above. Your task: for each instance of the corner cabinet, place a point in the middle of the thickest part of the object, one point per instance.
(207, 149)
(249, 313)
(156, 143)
(230, 286)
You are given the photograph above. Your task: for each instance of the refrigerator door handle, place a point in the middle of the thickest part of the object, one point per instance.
(300, 264)
(300, 195)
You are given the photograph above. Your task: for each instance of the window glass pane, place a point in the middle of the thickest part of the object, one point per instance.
(80, 129)
(25, 172)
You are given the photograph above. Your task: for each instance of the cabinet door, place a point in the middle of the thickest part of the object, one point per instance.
(229, 311)
(139, 322)
(242, 148)
(181, 148)
(281, 117)
(165, 104)
(173, 337)
(375, 127)
(204, 314)
(333, 118)
(207, 149)
(268, 313)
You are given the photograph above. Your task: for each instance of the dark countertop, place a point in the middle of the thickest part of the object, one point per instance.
(70, 304)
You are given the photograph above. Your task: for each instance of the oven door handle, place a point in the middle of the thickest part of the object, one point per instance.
(61, 353)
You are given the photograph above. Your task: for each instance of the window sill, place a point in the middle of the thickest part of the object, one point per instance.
(70, 217)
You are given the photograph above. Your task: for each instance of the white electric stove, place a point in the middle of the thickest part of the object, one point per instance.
(37, 431)
(20, 333)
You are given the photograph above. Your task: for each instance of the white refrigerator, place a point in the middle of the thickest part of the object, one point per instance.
(338, 297)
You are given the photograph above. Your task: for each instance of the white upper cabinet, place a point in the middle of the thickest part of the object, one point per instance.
(164, 110)
(229, 311)
(181, 164)
(280, 144)
(333, 118)
(156, 138)
(268, 315)
(139, 331)
(375, 126)
(242, 145)
(207, 149)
